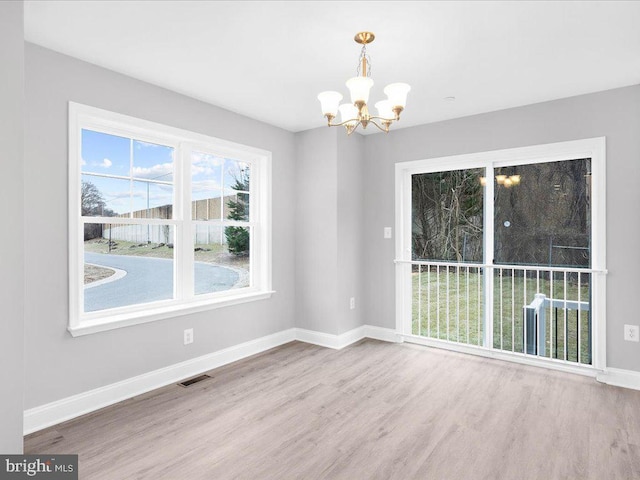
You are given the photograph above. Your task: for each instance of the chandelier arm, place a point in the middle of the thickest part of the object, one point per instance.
(383, 118)
(344, 123)
(385, 130)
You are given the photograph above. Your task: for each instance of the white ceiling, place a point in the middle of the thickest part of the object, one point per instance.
(268, 60)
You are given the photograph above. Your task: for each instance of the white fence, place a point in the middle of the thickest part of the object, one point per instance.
(204, 234)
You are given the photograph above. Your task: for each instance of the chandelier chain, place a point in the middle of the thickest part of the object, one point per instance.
(365, 55)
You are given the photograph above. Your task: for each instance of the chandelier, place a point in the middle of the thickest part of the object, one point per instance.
(357, 112)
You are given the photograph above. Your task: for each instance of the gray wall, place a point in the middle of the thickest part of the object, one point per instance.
(614, 114)
(329, 230)
(58, 365)
(350, 279)
(316, 231)
(11, 240)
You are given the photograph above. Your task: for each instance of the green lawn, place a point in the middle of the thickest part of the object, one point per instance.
(213, 253)
(119, 247)
(460, 318)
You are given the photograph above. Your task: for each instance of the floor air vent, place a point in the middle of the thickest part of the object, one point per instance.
(191, 381)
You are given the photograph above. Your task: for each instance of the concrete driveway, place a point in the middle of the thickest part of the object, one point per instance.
(148, 280)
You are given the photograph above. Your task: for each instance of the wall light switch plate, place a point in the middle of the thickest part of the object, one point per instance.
(632, 333)
(387, 232)
(352, 303)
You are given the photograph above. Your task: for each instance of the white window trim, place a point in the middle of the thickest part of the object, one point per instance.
(594, 148)
(82, 116)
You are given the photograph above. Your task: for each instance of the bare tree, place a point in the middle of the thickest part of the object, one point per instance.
(447, 215)
(545, 220)
(93, 205)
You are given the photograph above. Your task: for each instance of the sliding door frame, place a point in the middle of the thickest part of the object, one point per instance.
(593, 148)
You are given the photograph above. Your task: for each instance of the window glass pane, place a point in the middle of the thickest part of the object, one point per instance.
(105, 197)
(106, 154)
(152, 200)
(447, 215)
(237, 207)
(222, 258)
(206, 186)
(127, 265)
(152, 161)
(236, 176)
(544, 217)
(153, 197)
(236, 193)
(207, 208)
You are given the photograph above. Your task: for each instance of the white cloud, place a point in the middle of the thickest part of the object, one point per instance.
(206, 171)
(106, 163)
(139, 194)
(204, 160)
(206, 165)
(205, 186)
(161, 171)
(83, 162)
(114, 196)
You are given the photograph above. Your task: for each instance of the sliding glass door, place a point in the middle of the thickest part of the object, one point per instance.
(542, 253)
(447, 243)
(498, 251)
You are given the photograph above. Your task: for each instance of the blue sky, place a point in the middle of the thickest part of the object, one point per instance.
(104, 154)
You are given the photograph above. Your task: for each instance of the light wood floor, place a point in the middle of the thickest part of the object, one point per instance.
(371, 411)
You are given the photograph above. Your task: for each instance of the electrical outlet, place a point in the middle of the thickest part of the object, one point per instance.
(188, 336)
(632, 333)
(352, 303)
(387, 232)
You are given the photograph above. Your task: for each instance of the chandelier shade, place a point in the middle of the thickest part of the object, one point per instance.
(329, 102)
(504, 180)
(357, 113)
(359, 88)
(397, 94)
(385, 109)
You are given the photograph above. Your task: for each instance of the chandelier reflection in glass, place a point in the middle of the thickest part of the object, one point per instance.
(357, 112)
(506, 181)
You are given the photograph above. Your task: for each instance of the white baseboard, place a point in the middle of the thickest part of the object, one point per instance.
(347, 338)
(65, 409)
(381, 333)
(329, 340)
(71, 407)
(537, 362)
(620, 378)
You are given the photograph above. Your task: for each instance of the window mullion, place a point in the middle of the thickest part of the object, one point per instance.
(131, 178)
(224, 164)
(488, 254)
(185, 250)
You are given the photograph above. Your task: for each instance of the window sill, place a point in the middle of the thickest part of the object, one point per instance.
(113, 322)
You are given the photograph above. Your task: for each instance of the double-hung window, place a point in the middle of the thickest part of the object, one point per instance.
(162, 221)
